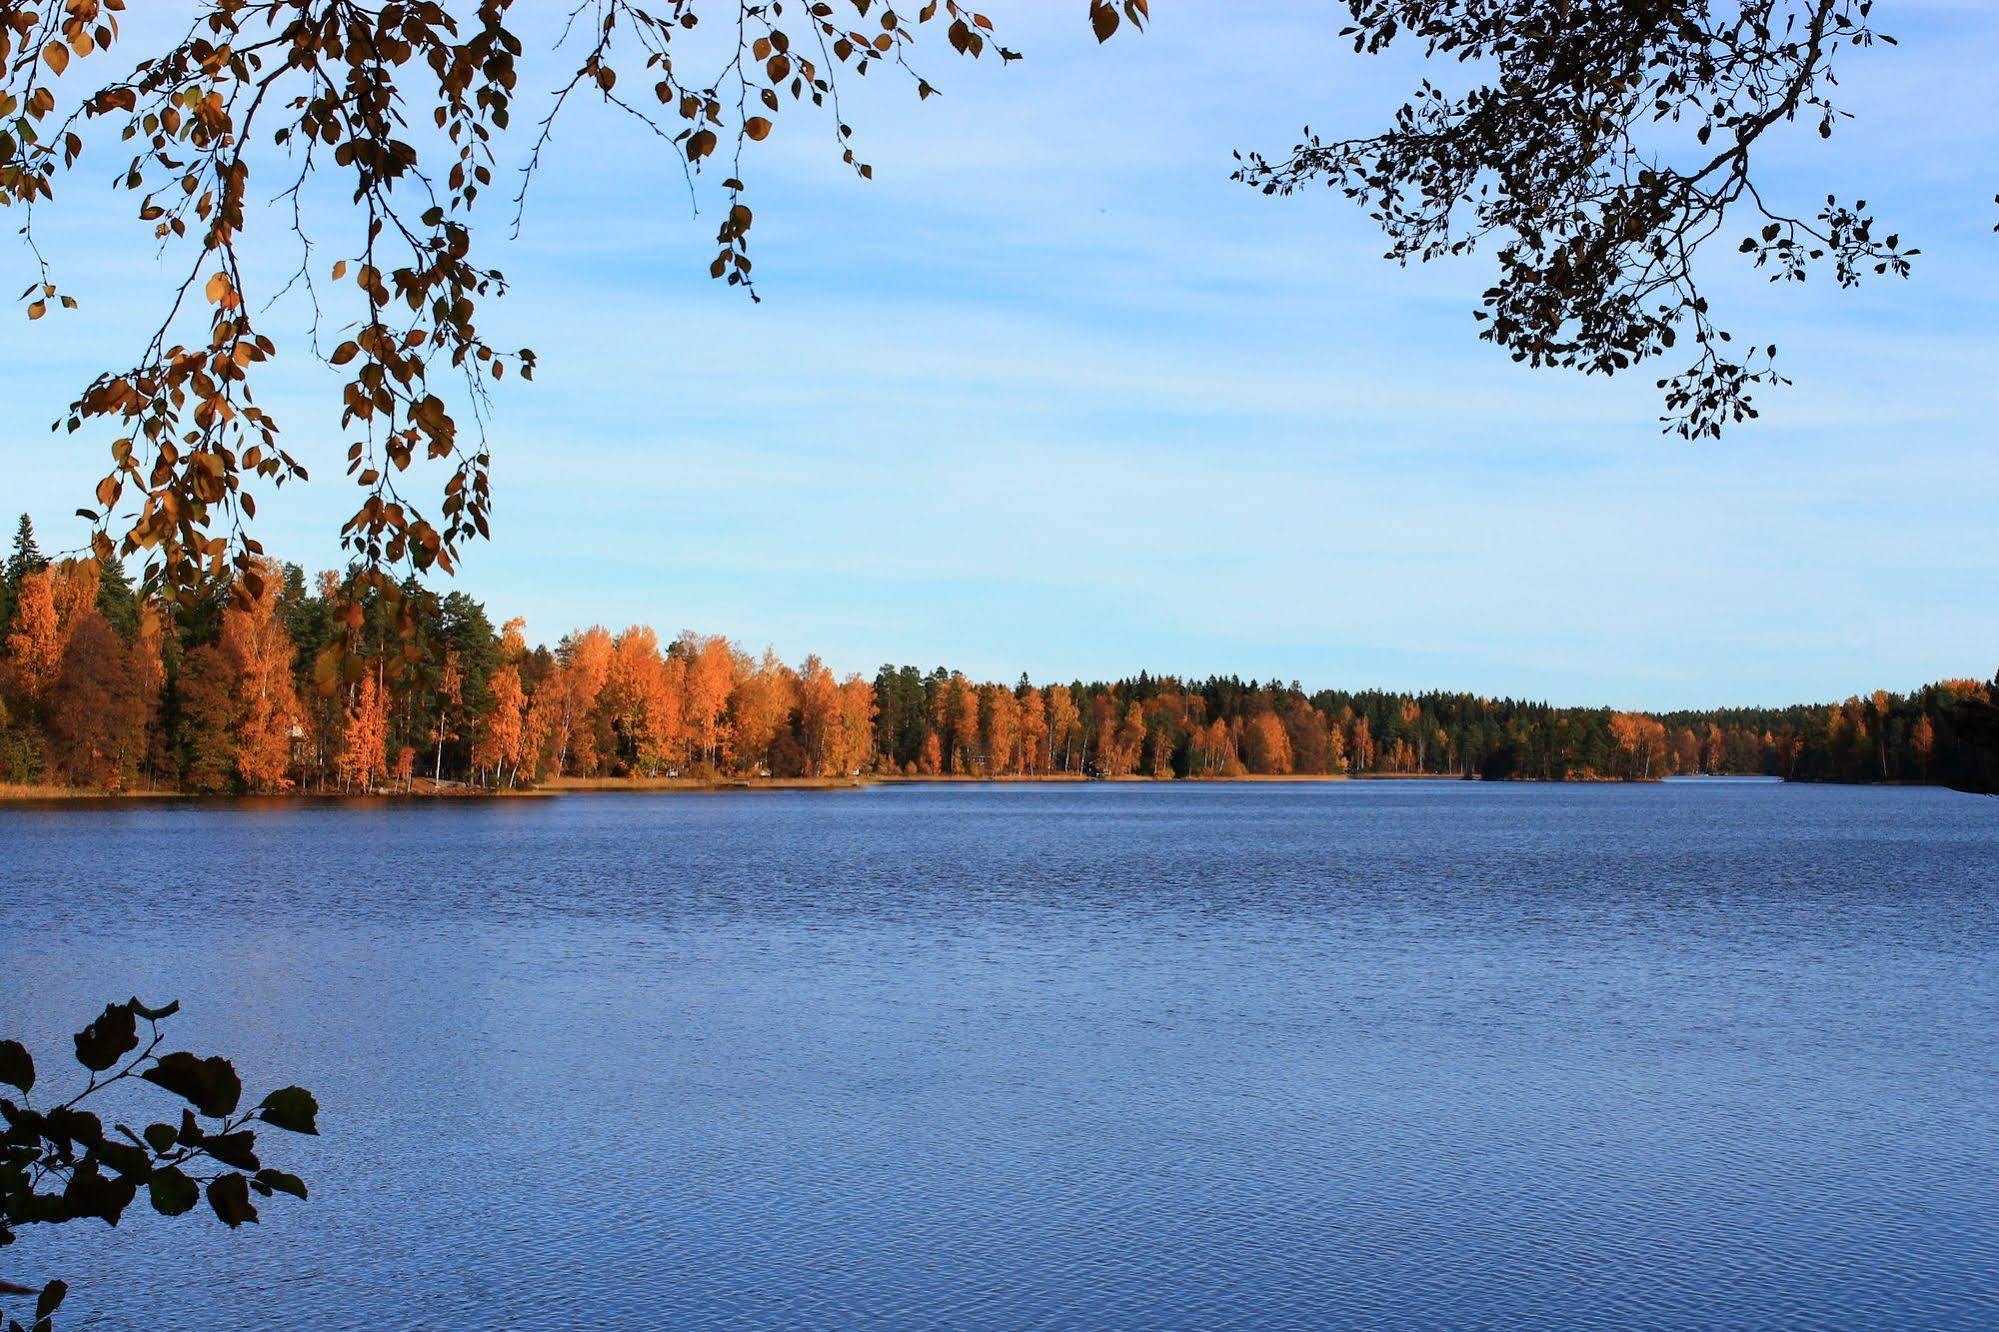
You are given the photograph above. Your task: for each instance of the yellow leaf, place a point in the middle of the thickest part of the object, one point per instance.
(218, 288)
(57, 56)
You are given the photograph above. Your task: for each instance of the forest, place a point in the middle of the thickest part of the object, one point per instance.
(349, 683)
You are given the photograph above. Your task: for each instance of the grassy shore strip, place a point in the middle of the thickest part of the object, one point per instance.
(562, 785)
(10, 791)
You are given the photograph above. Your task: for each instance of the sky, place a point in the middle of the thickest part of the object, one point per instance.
(1052, 395)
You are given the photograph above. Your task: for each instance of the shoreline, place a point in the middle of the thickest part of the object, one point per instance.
(424, 790)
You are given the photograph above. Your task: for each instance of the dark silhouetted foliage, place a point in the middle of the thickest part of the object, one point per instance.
(59, 1161)
(1598, 146)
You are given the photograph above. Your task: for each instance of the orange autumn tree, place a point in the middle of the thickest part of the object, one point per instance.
(854, 741)
(363, 748)
(1065, 727)
(498, 748)
(97, 708)
(1923, 743)
(261, 658)
(999, 726)
(1360, 745)
(584, 667)
(1033, 728)
(1642, 739)
(947, 719)
(663, 747)
(74, 585)
(1267, 745)
(818, 716)
(760, 706)
(711, 675)
(629, 688)
(149, 669)
(34, 645)
(1214, 751)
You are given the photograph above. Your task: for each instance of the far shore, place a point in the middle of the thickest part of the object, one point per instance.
(424, 789)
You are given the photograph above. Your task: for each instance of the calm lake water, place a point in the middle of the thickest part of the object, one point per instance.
(1370, 1054)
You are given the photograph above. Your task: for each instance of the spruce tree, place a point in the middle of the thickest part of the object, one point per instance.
(26, 559)
(27, 556)
(117, 598)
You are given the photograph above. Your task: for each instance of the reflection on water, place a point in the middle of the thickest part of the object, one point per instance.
(1387, 1054)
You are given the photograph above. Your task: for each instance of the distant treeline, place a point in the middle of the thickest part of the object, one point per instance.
(352, 683)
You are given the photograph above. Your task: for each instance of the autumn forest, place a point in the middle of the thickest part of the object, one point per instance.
(278, 683)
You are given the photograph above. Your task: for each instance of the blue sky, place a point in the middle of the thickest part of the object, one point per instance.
(1051, 394)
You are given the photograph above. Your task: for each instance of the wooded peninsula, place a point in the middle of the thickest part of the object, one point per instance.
(353, 683)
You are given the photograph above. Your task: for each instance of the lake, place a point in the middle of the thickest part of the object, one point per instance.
(1372, 1054)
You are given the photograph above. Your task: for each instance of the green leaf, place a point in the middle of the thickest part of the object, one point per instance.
(173, 1192)
(292, 1109)
(282, 1182)
(229, 1195)
(210, 1084)
(17, 1067)
(107, 1040)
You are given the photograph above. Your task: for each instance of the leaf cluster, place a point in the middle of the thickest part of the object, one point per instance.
(61, 1162)
(1598, 146)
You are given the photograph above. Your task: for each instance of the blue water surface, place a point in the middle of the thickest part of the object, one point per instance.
(1390, 1054)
